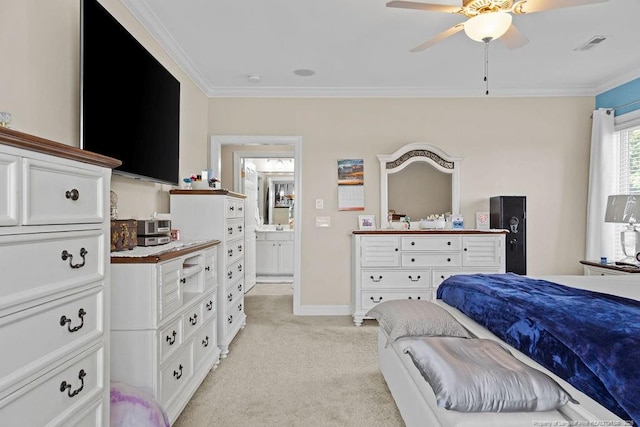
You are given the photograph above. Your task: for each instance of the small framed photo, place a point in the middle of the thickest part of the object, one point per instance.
(367, 222)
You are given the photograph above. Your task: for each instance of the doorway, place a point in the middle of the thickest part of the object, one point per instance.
(257, 147)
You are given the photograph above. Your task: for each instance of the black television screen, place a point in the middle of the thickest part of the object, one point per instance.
(130, 104)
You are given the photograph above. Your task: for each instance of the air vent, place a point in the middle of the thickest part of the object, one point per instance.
(595, 41)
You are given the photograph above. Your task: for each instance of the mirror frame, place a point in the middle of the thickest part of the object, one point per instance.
(418, 152)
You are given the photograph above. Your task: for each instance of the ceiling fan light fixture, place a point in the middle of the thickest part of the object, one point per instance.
(487, 26)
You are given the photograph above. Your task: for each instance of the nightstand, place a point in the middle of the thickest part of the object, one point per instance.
(592, 268)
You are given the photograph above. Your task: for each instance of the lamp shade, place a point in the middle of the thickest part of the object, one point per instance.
(623, 208)
(487, 26)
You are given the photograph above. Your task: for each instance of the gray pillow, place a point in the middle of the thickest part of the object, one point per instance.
(479, 375)
(402, 318)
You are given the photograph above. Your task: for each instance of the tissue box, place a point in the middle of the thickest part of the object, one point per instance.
(124, 234)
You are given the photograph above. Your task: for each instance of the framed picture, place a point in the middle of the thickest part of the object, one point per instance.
(367, 222)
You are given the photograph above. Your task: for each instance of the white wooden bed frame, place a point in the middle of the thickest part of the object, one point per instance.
(416, 401)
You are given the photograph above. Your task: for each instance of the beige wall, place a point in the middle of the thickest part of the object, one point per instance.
(40, 87)
(537, 147)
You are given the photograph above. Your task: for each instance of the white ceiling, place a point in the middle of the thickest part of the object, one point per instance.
(361, 48)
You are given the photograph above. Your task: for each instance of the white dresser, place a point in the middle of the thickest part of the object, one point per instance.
(389, 265)
(164, 325)
(217, 214)
(54, 290)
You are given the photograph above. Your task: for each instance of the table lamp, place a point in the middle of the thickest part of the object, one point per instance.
(625, 209)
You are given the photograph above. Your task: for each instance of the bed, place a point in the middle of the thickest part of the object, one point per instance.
(458, 295)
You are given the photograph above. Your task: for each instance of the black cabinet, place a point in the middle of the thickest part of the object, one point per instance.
(510, 213)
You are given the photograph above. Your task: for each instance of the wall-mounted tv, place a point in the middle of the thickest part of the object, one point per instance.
(130, 104)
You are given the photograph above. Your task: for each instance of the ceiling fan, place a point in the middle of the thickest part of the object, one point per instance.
(488, 19)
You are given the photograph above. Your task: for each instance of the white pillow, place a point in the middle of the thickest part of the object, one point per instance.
(402, 318)
(479, 375)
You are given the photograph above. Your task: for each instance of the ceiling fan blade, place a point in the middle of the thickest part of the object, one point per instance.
(438, 37)
(531, 6)
(513, 38)
(425, 6)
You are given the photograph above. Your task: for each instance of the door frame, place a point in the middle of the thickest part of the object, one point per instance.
(215, 163)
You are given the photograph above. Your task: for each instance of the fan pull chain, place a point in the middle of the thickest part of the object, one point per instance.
(486, 67)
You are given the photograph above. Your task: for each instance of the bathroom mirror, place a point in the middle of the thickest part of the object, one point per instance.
(417, 180)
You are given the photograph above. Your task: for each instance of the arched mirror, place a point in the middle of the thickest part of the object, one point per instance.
(418, 180)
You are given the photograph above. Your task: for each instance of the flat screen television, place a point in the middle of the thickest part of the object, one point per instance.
(130, 103)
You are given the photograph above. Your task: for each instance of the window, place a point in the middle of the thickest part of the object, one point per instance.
(628, 179)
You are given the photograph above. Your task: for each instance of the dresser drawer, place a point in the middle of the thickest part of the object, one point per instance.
(171, 337)
(234, 229)
(373, 279)
(435, 259)
(41, 335)
(235, 208)
(209, 307)
(234, 271)
(37, 265)
(371, 298)
(175, 374)
(205, 344)
(431, 243)
(59, 194)
(192, 320)
(9, 183)
(439, 276)
(234, 314)
(233, 250)
(69, 387)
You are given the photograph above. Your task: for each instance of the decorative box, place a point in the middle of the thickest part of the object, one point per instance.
(124, 235)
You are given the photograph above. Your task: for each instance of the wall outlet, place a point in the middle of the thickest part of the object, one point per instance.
(319, 204)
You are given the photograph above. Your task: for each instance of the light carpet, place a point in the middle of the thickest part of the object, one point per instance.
(285, 370)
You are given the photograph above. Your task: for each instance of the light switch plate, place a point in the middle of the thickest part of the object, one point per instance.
(323, 221)
(319, 204)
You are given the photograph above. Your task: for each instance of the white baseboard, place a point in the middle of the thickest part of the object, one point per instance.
(323, 310)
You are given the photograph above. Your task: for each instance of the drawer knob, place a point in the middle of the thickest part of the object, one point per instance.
(205, 341)
(66, 386)
(413, 243)
(172, 339)
(231, 208)
(376, 300)
(66, 255)
(465, 249)
(396, 249)
(414, 280)
(373, 279)
(448, 259)
(210, 306)
(65, 321)
(193, 320)
(178, 374)
(413, 260)
(230, 319)
(72, 195)
(449, 243)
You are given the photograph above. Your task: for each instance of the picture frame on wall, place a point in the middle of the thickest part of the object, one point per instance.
(366, 222)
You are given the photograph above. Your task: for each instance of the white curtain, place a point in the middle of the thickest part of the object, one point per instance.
(602, 183)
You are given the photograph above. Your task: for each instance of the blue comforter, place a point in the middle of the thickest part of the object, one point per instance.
(590, 339)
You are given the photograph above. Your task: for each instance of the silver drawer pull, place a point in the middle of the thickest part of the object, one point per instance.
(66, 255)
(205, 341)
(193, 320)
(72, 194)
(376, 280)
(172, 339)
(66, 386)
(177, 375)
(65, 321)
(376, 301)
(414, 280)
